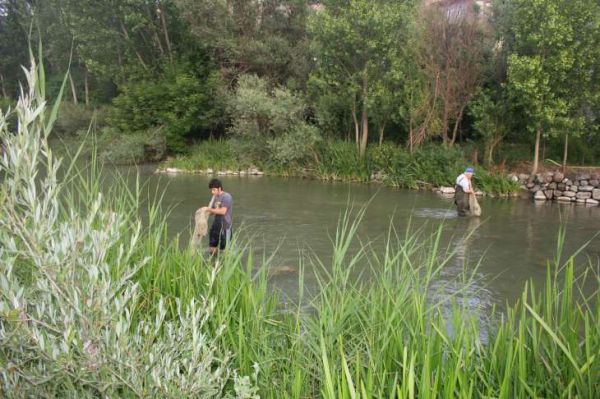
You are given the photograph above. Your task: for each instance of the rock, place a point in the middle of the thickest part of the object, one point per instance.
(539, 196)
(569, 194)
(549, 177)
(568, 182)
(536, 188)
(563, 199)
(586, 188)
(590, 201)
(558, 193)
(539, 178)
(574, 188)
(585, 176)
(446, 190)
(549, 194)
(558, 177)
(594, 182)
(242, 173)
(575, 183)
(523, 177)
(580, 201)
(512, 177)
(583, 182)
(594, 176)
(552, 186)
(209, 171)
(596, 194)
(479, 193)
(584, 195)
(530, 185)
(221, 173)
(561, 186)
(172, 170)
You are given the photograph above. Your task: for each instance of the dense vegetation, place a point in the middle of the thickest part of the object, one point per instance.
(94, 305)
(506, 81)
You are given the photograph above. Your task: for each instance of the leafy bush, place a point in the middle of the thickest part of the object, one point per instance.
(179, 101)
(216, 155)
(73, 118)
(269, 126)
(70, 324)
(339, 160)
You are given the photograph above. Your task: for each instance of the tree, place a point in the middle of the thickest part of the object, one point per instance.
(15, 17)
(551, 66)
(355, 44)
(262, 37)
(452, 56)
(269, 125)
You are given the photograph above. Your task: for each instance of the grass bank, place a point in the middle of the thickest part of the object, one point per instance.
(392, 165)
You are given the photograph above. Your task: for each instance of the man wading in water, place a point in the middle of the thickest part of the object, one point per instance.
(222, 207)
(463, 191)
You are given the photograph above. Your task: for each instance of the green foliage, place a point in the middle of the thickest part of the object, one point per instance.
(339, 160)
(268, 126)
(356, 46)
(179, 102)
(217, 155)
(73, 118)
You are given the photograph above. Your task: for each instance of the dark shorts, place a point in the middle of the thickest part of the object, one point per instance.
(218, 237)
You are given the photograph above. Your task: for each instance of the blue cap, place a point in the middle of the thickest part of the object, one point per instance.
(469, 170)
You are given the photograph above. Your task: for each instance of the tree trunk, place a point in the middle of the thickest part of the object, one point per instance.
(364, 117)
(536, 153)
(2, 85)
(566, 151)
(356, 126)
(165, 30)
(381, 130)
(86, 85)
(73, 89)
(457, 124)
(139, 57)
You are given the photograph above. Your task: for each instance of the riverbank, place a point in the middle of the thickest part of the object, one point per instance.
(430, 168)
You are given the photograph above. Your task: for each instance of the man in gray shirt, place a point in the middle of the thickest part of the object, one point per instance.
(222, 207)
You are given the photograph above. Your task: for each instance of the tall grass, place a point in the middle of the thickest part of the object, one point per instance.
(383, 325)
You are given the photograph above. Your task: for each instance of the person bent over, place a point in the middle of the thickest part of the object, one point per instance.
(463, 189)
(222, 208)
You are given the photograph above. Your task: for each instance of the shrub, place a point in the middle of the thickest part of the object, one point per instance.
(74, 118)
(269, 126)
(216, 155)
(179, 101)
(70, 324)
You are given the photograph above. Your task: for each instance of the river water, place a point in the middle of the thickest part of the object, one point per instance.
(288, 218)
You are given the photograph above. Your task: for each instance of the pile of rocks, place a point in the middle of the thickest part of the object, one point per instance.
(581, 188)
(252, 172)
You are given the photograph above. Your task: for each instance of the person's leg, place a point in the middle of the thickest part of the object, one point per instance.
(214, 238)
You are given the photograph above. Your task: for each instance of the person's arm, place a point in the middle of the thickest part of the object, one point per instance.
(218, 211)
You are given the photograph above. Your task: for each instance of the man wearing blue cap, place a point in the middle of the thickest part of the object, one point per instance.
(463, 190)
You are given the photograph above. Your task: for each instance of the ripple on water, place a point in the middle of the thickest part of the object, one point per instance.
(436, 213)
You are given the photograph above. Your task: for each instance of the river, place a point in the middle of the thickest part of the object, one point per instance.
(290, 218)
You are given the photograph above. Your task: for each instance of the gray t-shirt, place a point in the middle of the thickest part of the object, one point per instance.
(224, 200)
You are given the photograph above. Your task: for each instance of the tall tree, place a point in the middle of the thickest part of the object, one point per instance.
(355, 44)
(452, 55)
(15, 18)
(554, 46)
